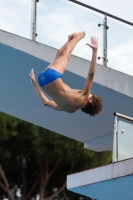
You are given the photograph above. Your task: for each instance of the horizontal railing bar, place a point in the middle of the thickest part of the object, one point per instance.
(123, 116)
(102, 12)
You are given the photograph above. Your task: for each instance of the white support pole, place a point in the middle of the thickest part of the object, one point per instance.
(34, 20)
(105, 27)
(115, 143)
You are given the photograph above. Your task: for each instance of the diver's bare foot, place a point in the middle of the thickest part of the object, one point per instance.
(79, 34)
(82, 34)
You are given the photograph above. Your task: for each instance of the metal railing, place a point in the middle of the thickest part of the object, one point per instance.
(102, 12)
(107, 56)
(123, 137)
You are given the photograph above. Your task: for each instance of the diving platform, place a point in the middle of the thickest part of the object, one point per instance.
(114, 181)
(18, 98)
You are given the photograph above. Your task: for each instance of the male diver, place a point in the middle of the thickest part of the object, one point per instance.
(65, 98)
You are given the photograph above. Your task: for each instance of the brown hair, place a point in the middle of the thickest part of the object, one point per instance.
(94, 107)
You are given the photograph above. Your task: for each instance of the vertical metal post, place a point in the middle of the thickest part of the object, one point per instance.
(105, 27)
(34, 20)
(115, 143)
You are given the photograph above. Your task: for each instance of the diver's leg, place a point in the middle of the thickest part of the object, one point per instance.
(60, 50)
(61, 62)
(70, 37)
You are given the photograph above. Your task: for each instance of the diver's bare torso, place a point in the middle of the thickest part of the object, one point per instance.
(66, 98)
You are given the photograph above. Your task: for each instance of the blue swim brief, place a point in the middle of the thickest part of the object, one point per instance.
(48, 76)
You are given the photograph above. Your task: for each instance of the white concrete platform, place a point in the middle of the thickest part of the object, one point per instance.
(18, 98)
(114, 181)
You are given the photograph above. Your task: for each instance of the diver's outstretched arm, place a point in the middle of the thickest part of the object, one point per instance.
(41, 95)
(89, 80)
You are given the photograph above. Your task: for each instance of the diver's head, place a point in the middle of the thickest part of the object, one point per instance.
(93, 106)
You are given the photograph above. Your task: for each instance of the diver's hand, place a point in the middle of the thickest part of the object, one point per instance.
(94, 43)
(32, 76)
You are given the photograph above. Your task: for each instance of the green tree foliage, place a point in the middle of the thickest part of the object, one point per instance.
(35, 161)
